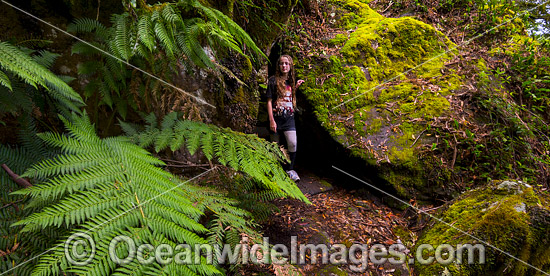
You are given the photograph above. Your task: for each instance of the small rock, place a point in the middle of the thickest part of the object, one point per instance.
(516, 187)
(64, 69)
(520, 208)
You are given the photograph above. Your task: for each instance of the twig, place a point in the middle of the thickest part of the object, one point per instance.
(391, 3)
(20, 181)
(188, 166)
(415, 140)
(432, 209)
(454, 154)
(98, 5)
(14, 204)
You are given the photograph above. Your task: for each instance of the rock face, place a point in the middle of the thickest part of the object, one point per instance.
(508, 215)
(378, 92)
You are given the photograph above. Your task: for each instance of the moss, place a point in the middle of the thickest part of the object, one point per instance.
(389, 46)
(366, 98)
(515, 44)
(404, 234)
(330, 271)
(481, 65)
(338, 40)
(494, 215)
(356, 12)
(247, 68)
(371, 126)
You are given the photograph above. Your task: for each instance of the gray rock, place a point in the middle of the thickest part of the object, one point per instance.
(513, 186)
(520, 208)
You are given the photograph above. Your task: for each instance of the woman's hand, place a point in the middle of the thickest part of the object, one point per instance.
(273, 125)
(299, 82)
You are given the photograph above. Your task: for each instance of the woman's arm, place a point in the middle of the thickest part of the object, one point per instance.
(272, 124)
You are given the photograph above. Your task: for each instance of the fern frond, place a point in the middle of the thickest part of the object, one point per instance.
(228, 25)
(85, 49)
(120, 43)
(87, 25)
(191, 45)
(151, 121)
(67, 164)
(81, 128)
(193, 138)
(110, 81)
(15, 101)
(246, 153)
(74, 209)
(27, 135)
(145, 32)
(34, 74)
(165, 38)
(225, 40)
(45, 58)
(177, 217)
(5, 81)
(128, 129)
(67, 144)
(173, 231)
(86, 180)
(170, 15)
(207, 145)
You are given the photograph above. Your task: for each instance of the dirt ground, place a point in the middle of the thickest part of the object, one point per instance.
(336, 216)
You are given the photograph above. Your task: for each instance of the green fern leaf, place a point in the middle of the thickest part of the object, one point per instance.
(120, 43)
(145, 32)
(36, 75)
(5, 81)
(165, 38)
(87, 25)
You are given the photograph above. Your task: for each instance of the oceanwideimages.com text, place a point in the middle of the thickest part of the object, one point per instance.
(80, 249)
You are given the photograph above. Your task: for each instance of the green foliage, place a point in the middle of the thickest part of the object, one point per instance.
(530, 70)
(507, 140)
(19, 69)
(19, 158)
(26, 85)
(110, 187)
(161, 39)
(508, 215)
(263, 19)
(373, 96)
(242, 152)
(495, 19)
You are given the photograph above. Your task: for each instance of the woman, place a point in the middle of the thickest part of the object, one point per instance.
(281, 103)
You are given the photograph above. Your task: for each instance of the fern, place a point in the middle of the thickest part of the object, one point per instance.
(120, 41)
(162, 24)
(109, 187)
(18, 159)
(247, 153)
(33, 72)
(145, 33)
(155, 38)
(86, 25)
(5, 81)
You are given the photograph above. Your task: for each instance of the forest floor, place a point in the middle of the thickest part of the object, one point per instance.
(338, 216)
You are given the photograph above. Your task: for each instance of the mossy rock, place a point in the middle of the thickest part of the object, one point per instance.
(508, 215)
(331, 270)
(377, 95)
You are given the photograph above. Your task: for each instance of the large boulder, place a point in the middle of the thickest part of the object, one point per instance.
(508, 218)
(376, 92)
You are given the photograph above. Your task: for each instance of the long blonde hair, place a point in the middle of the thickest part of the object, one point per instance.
(282, 82)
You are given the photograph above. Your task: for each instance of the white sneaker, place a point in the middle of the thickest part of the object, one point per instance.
(293, 175)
